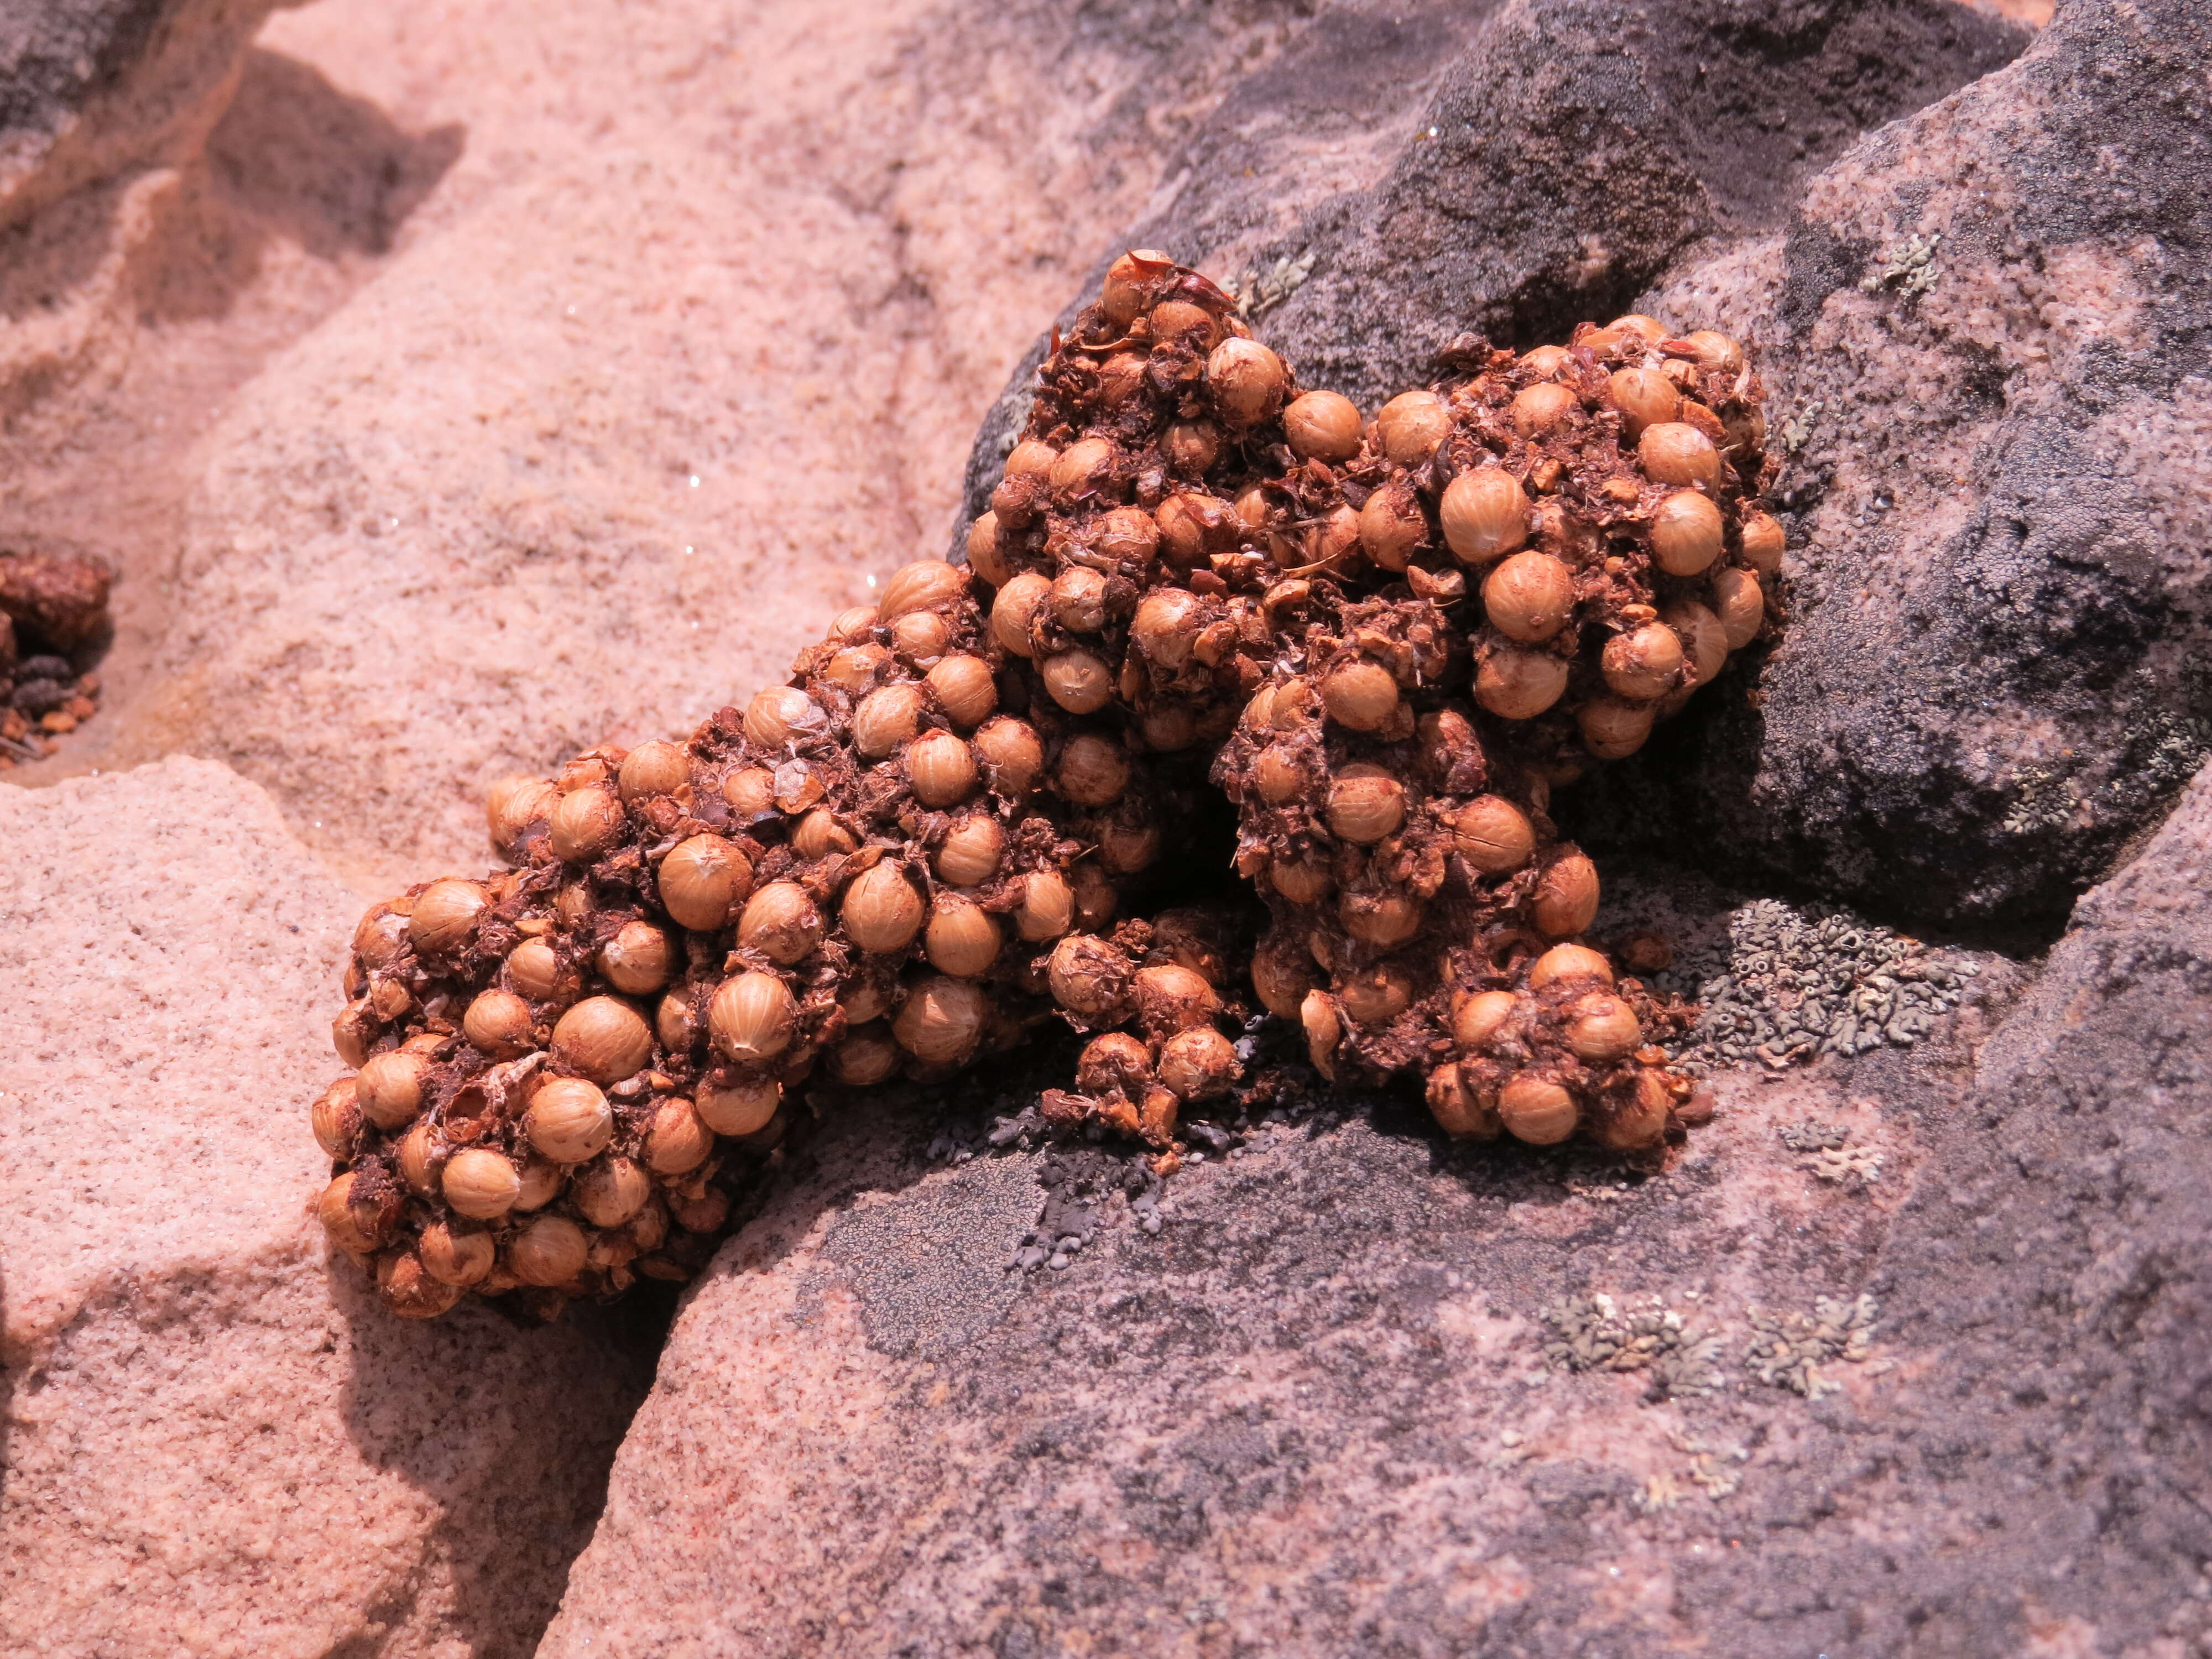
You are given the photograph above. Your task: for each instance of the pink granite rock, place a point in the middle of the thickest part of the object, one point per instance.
(669, 338)
(1304, 1407)
(1933, 1387)
(212, 1444)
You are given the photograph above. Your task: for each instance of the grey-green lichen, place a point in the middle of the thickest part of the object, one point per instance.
(1259, 289)
(1787, 1350)
(1782, 985)
(1825, 1149)
(1908, 269)
(1797, 430)
(1596, 1332)
(2165, 748)
(1707, 1471)
(1686, 1359)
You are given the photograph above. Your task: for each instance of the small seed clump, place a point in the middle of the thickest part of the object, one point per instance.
(1383, 640)
(53, 618)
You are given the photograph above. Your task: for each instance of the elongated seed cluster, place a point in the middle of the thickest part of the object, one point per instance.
(568, 1070)
(1381, 641)
(1387, 640)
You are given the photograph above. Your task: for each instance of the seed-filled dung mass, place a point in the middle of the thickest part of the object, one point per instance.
(1244, 700)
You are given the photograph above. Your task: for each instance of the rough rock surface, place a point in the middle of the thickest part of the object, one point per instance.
(1323, 1411)
(208, 1442)
(89, 89)
(1561, 164)
(1396, 178)
(1997, 672)
(667, 335)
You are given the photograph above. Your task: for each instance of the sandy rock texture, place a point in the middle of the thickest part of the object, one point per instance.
(210, 1443)
(592, 356)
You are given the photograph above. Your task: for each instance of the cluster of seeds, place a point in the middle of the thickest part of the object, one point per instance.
(52, 611)
(1382, 641)
(1782, 985)
(1389, 639)
(564, 1069)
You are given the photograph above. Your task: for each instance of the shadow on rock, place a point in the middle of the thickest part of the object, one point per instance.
(294, 158)
(509, 1430)
(331, 169)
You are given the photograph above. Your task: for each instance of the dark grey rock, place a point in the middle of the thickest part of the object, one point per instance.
(46, 666)
(1515, 168)
(40, 696)
(91, 88)
(1996, 673)
(1570, 155)
(2059, 1258)
(52, 57)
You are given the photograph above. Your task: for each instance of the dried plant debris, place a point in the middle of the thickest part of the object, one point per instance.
(1077, 1186)
(1908, 269)
(1368, 648)
(1787, 1350)
(53, 619)
(1780, 985)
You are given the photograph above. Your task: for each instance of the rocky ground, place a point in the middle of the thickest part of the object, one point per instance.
(446, 396)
